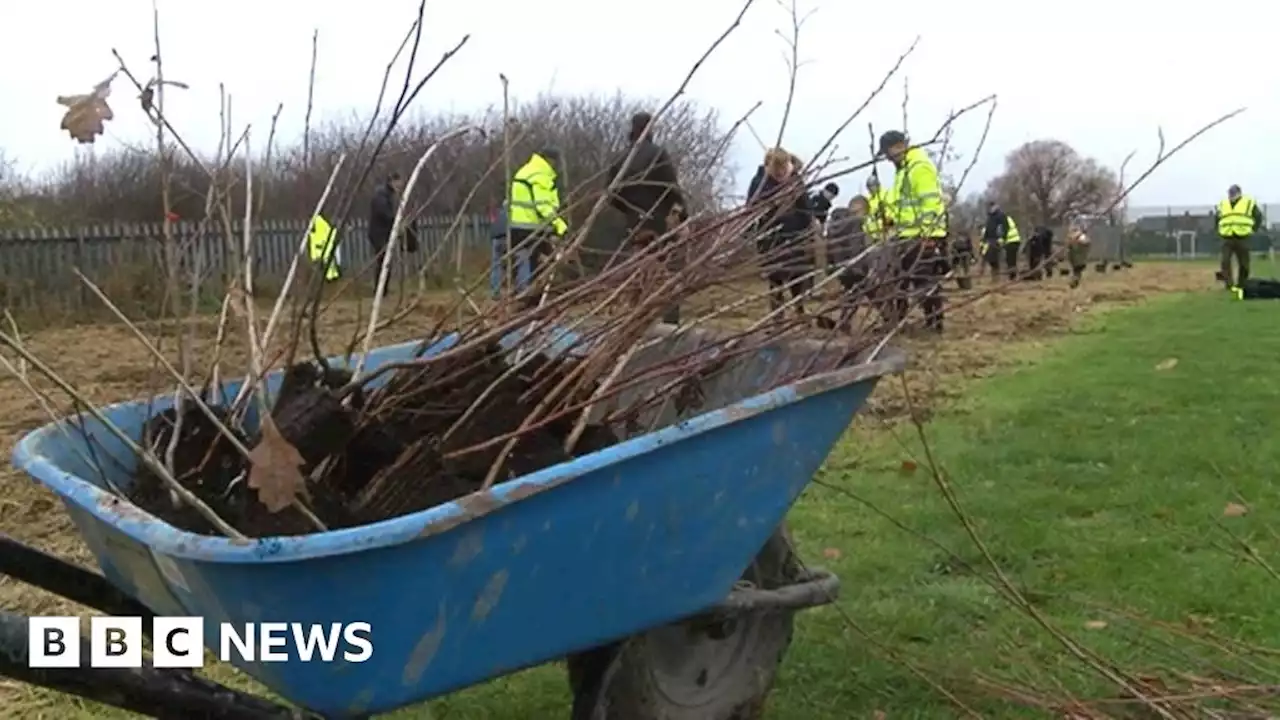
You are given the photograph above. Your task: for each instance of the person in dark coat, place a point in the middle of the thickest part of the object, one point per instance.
(865, 267)
(382, 215)
(821, 202)
(993, 235)
(1039, 250)
(648, 195)
(787, 230)
(648, 190)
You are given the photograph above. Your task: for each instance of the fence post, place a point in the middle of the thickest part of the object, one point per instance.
(80, 255)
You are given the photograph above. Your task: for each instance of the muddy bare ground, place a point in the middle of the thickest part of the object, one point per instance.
(108, 364)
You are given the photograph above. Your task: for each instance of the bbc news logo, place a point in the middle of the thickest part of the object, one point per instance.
(178, 642)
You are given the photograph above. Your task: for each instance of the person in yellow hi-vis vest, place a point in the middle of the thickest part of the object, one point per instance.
(1239, 217)
(917, 212)
(1011, 245)
(876, 208)
(322, 247)
(534, 215)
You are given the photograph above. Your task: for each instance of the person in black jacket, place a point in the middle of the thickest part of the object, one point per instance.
(382, 215)
(993, 235)
(1039, 250)
(648, 190)
(648, 195)
(821, 202)
(786, 231)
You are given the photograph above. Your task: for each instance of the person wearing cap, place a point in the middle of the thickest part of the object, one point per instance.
(534, 214)
(918, 216)
(1238, 218)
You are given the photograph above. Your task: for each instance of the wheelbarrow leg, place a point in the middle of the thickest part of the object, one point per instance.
(717, 666)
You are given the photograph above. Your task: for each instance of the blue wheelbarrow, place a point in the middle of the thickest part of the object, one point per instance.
(659, 568)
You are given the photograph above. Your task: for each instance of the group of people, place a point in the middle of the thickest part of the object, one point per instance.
(1000, 247)
(890, 247)
(324, 250)
(644, 189)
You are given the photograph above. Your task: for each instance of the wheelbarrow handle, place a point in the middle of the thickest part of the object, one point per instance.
(34, 567)
(155, 692)
(813, 588)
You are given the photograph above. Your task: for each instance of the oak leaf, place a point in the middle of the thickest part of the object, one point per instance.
(86, 114)
(276, 469)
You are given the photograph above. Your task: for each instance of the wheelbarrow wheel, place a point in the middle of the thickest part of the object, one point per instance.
(703, 669)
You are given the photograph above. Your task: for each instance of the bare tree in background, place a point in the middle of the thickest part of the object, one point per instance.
(1047, 182)
(465, 176)
(966, 212)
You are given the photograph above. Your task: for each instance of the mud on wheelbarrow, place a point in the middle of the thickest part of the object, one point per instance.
(659, 567)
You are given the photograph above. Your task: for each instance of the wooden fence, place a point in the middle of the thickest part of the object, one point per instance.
(36, 264)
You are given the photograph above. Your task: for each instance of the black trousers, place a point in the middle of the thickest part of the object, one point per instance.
(1011, 258)
(1038, 252)
(991, 255)
(924, 264)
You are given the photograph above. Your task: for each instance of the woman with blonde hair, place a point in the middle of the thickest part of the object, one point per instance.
(787, 228)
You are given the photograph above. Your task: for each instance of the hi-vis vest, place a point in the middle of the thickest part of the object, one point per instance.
(873, 224)
(1011, 235)
(535, 202)
(1237, 220)
(915, 203)
(321, 247)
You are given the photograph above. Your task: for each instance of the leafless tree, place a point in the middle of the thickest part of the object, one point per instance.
(464, 177)
(1048, 182)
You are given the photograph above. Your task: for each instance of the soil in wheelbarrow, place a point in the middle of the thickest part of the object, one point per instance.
(432, 433)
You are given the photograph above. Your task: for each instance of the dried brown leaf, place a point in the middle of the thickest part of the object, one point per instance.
(831, 553)
(86, 114)
(908, 467)
(1167, 364)
(1234, 510)
(276, 471)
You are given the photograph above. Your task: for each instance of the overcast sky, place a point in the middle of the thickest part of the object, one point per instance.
(1101, 75)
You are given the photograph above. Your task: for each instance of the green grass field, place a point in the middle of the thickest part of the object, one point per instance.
(1097, 475)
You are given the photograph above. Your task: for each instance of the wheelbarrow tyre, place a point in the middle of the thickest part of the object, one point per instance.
(637, 686)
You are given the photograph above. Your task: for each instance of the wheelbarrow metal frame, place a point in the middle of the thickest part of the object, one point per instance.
(172, 692)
